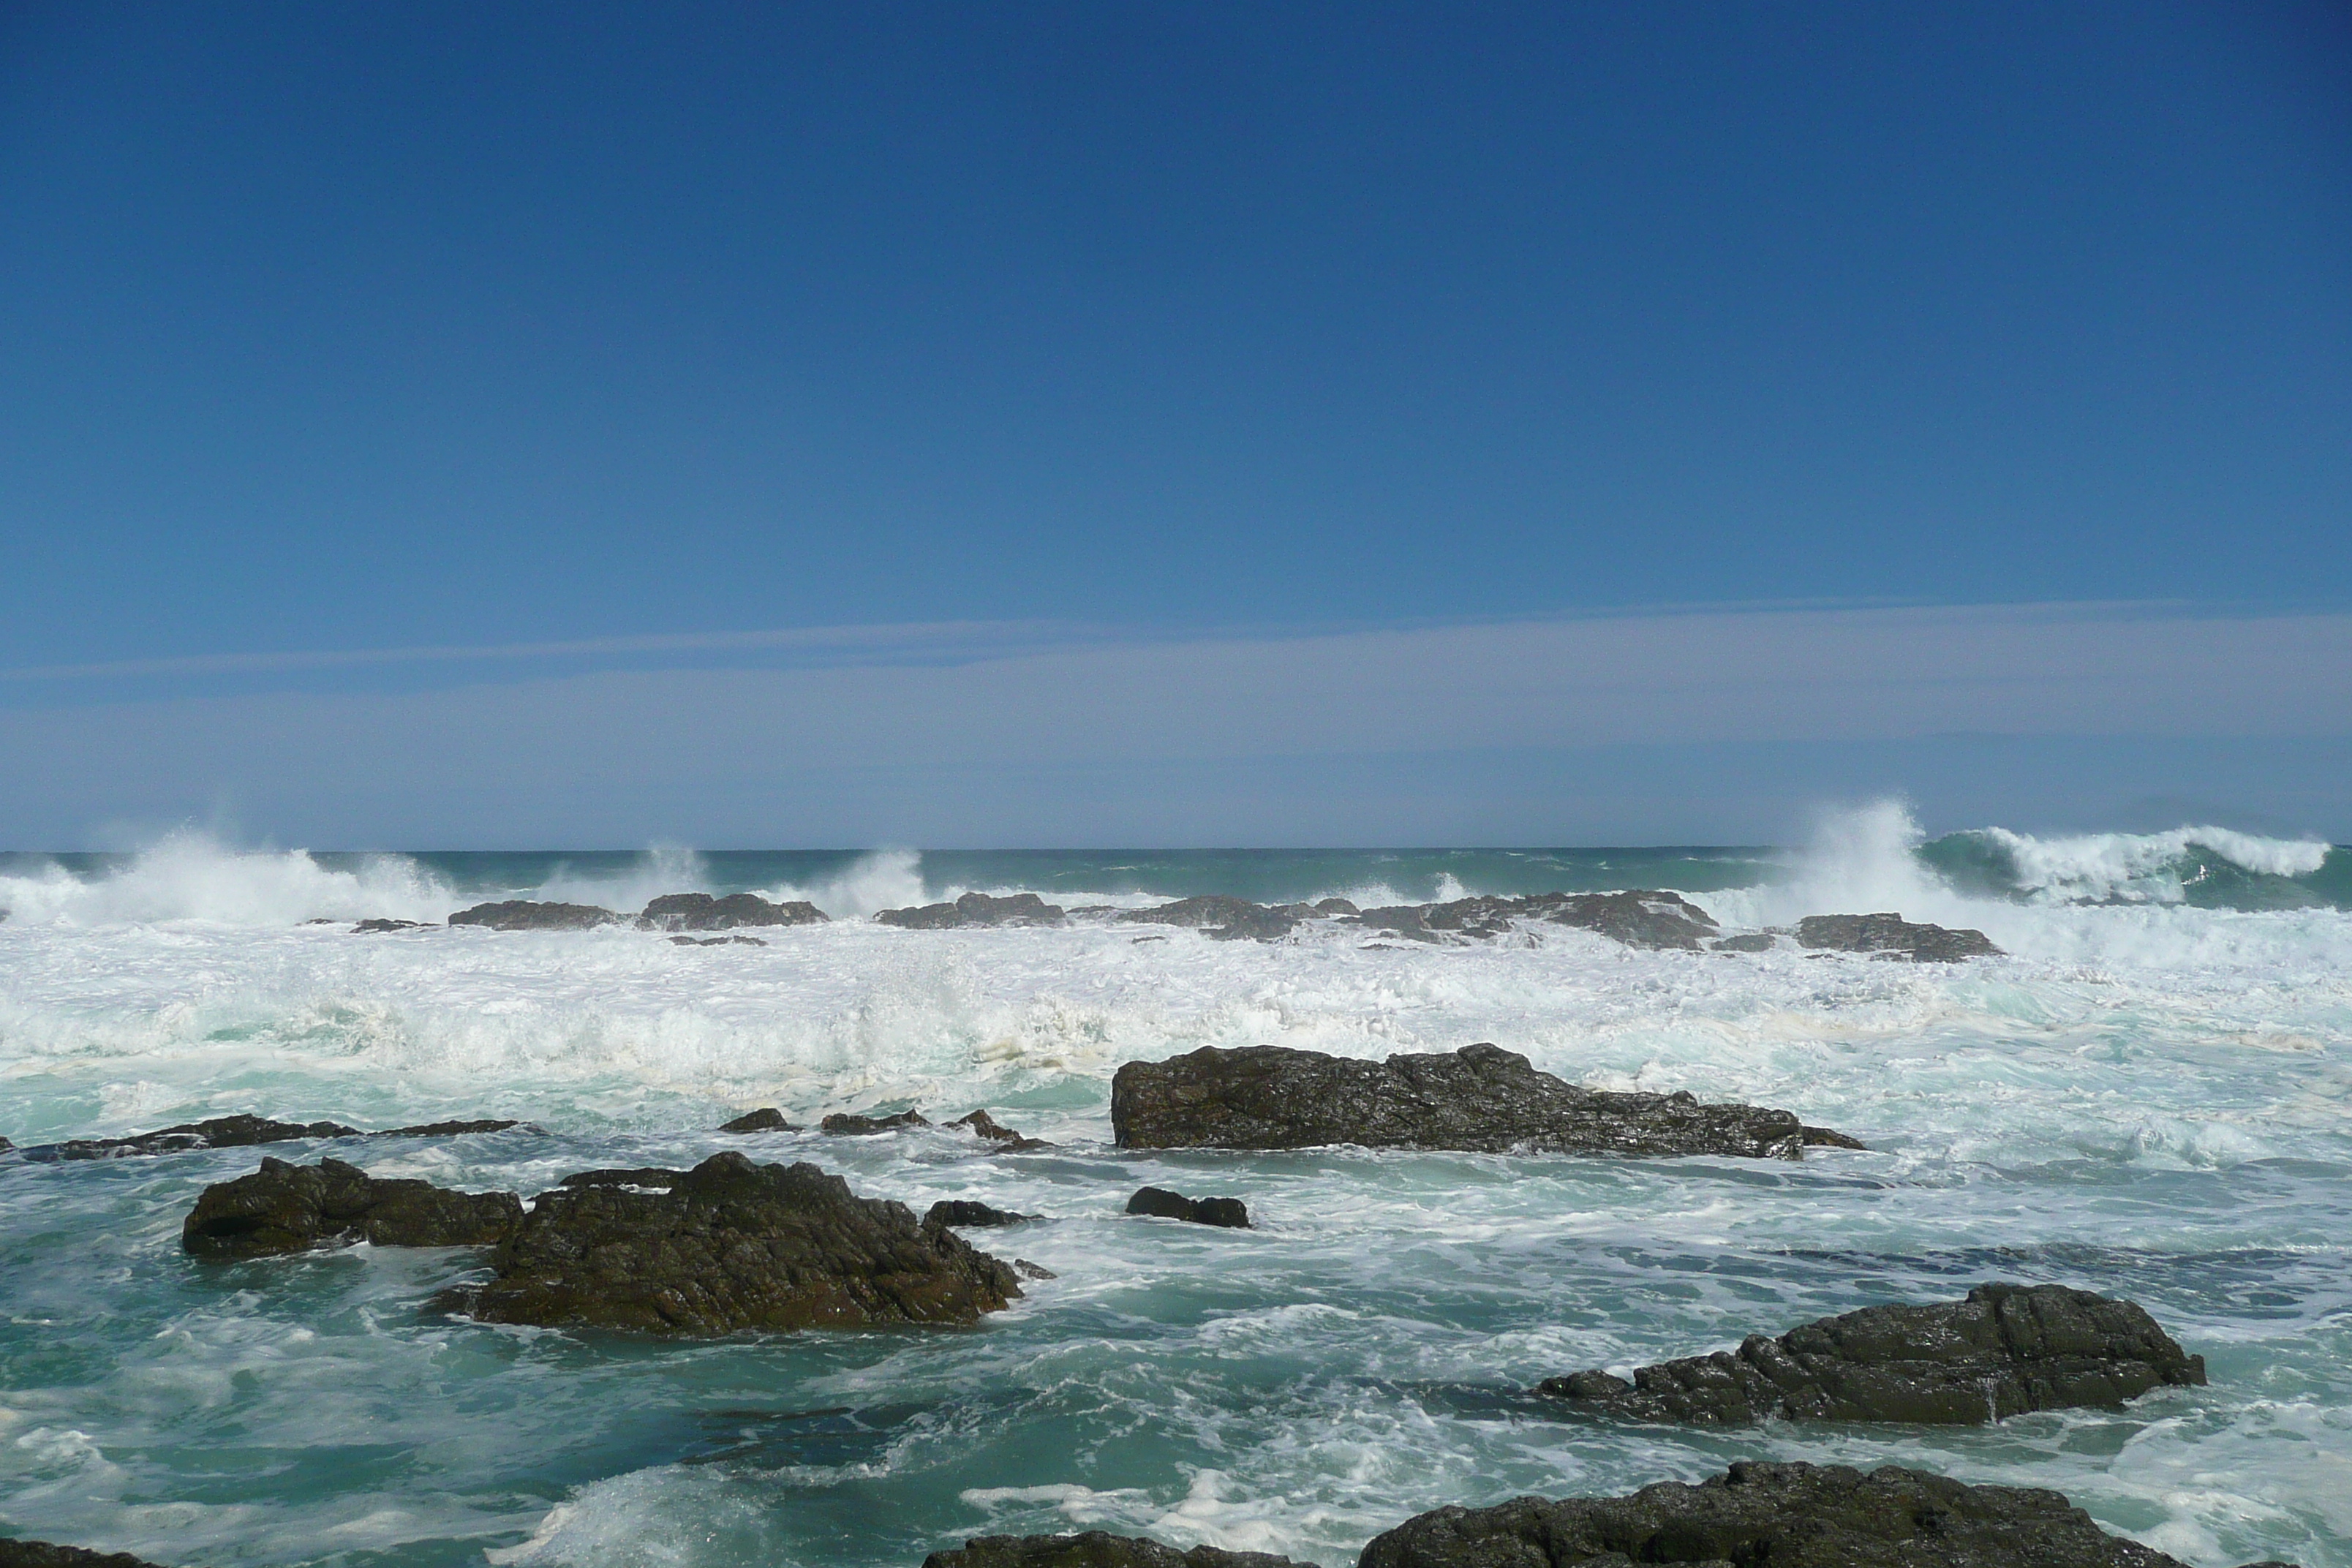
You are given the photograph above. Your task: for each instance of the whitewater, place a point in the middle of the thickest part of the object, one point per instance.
(2150, 1096)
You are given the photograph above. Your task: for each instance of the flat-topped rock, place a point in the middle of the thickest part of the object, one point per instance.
(1480, 1097)
(701, 911)
(1892, 936)
(1159, 1203)
(1783, 1515)
(2003, 1351)
(971, 1213)
(766, 1118)
(1094, 1549)
(733, 1245)
(1218, 917)
(238, 1131)
(17, 1553)
(374, 927)
(976, 910)
(522, 914)
(848, 1124)
(283, 1208)
(1641, 917)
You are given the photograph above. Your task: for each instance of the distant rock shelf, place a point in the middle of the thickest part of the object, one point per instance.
(238, 1131)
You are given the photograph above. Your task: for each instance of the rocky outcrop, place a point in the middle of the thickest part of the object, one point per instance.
(1479, 1097)
(844, 1125)
(970, 1212)
(988, 1130)
(701, 911)
(41, 1554)
(766, 1118)
(1892, 936)
(521, 914)
(1159, 1203)
(976, 910)
(657, 1176)
(1639, 918)
(284, 1208)
(1094, 1549)
(1784, 1515)
(238, 1131)
(1748, 942)
(376, 926)
(733, 1245)
(2003, 1351)
(716, 942)
(1219, 918)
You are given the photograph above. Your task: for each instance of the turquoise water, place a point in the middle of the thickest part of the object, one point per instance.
(2149, 1097)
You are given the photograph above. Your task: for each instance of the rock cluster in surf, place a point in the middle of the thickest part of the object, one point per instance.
(1159, 1203)
(1892, 936)
(238, 1131)
(2003, 1351)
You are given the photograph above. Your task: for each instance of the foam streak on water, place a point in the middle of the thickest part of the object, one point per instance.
(2148, 1098)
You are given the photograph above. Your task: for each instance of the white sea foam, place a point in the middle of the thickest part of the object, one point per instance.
(2143, 865)
(189, 876)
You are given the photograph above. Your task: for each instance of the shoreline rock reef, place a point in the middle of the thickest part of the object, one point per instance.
(241, 1130)
(1481, 1098)
(283, 1208)
(2003, 1351)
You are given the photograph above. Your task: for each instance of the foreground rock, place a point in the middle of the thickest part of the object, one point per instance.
(701, 911)
(1159, 1203)
(2005, 1350)
(521, 914)
(1640, 918)
(733, 1245)
(238, 1131)
(1094, 1549)
(976, 910)
(1783, 1515)
(1219, 918)
(1892, 936)
(283, 1208)
(41, 1554)
(1479, 1097)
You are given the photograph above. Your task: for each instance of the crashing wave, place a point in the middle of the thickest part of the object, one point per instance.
(2210, 868)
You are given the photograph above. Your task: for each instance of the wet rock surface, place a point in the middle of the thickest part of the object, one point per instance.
(1642, 918)
(975, 910)
(283, 1208)
(42, 1555)
(846, 1124)
(969, 1212)
(377, 926)
(1219, 918)
(522, 914)
(1094, 1549)
(238, 1131)
(766, 1118)
(1159, 1203)
(1480, 1097)
(716, 942)
(733, 1245)
(1005, 1138)
(1892, 936)
(2003, 1351)
(701, 911)
(1784, 1515)
(624, 1176)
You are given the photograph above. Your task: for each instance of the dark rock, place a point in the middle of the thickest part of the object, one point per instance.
(1754, 941)
(766, 1118)
(968, 1212)
(286, 1208)
(976, 910)
(521, 914)
(1335, 907)
(632, 1176)
(1159, 1203)
(1892, 936)
(1219, 918)
(1479, 1097)
(2005, 1350)
(1640, 918)
(986, 1126)
(1028, 1270)
(41, 1554)
(716, 942)
(238, 1131)
(1094, 1549)
(1784, 1515)
(450, 1129)
(1822, 1138)
(701, 911)
(733, 1245)
(841, 1123)
(389, 925)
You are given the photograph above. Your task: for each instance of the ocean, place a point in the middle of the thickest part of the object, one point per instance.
(2149, 1096)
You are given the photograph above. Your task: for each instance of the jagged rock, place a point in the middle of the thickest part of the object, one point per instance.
(6, 1145)
(701, 911)
(1159, 1203)
(42, 1554)
(1219, 918)
(971, 1212)
(286, 1208)
(1094, 1549)
(986, 1126)
(2003, 1351)
(733, 1245)
(766, 1118)
(521, 914)
(1892, 936)
(383, 925)
(238, 1131)
(1479, 1097)
(1752, 941)
(632, 1176)
(1028, 1270)
(1822, 1138)
(1784, 1515)
(842, 1123)
(976, 910)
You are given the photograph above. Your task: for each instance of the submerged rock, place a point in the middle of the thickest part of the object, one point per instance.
(1892, 936)
(987, 1127)
(701, 911)
(1094, 1549)
(522, 914)
(1159, 1203)
(844, 1125)
(384, 925)
(1479, 1097)
(716, 942)
(970, 1212)
(284, 1208)
(18, 1553)
(1784, 1515)
(1219, 918)
(2003, 1351)
(766, 1118)
(976, 910)
(733, 1245)
(238, 1131)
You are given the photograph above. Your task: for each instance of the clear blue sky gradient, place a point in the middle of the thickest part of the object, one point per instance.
(352, 328)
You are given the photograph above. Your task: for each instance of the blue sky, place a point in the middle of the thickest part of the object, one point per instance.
(652, 368)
